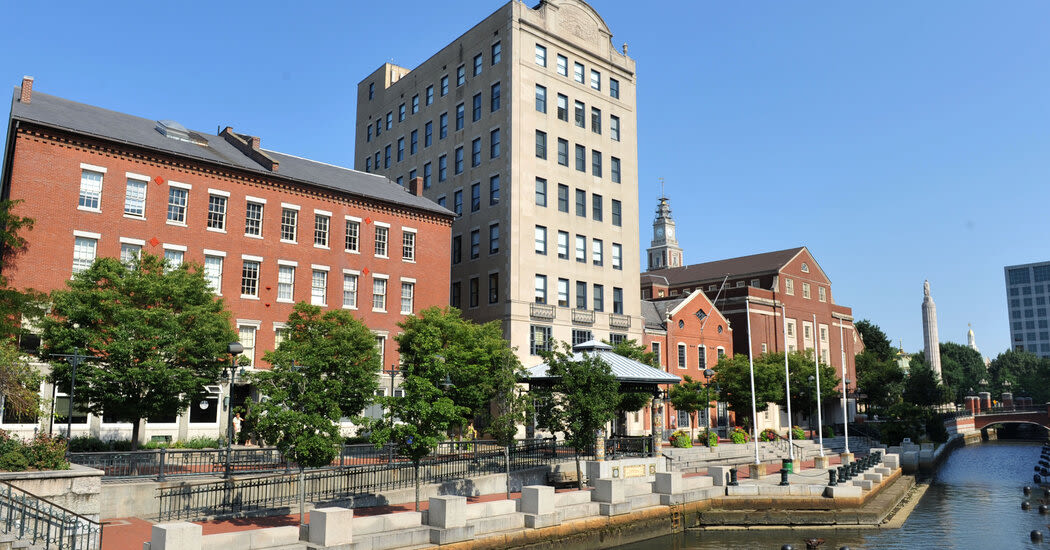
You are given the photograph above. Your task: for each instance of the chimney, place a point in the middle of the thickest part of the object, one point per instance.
(250, 146)
(27, 90)
(416, 186)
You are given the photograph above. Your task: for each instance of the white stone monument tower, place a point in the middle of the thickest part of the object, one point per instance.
(929, 331)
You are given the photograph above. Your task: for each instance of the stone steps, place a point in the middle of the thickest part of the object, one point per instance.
(416, 537)
(571, 498)
(576, 511)
(496, 524)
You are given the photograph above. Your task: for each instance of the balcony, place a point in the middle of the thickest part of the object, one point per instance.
(542, 311)
(583, 316)
(619, 321)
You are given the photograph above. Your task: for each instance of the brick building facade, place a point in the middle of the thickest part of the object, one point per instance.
(269, 228)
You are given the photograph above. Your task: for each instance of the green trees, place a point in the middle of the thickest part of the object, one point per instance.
(875, 341)
(735, 380)
(691, 396)
(962, 368)
(581, 402)
(803, 389)
(158, 335)
(1020, 371)
(326, 369)
(18, 381)
(878, 374)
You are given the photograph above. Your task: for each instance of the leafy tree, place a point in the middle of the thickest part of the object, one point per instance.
(18, 380)
(882, 380)
(582, 400)
(477, 359)
(692, 396)
(922, 387)
(158, 335)
(803, 391)
(1024, 371)
(418, 421)
(15, 304)
(875, 340)
(633, 401)
(735, 380)
(962, 368)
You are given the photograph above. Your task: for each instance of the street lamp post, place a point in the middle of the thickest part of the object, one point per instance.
(393, 372)
(234, 349)
(75, 359)
(787, 385)
(708, 373)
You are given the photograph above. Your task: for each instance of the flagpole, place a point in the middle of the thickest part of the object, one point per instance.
(820, 418)
(751, 364)
(845, 403)
(787, 385)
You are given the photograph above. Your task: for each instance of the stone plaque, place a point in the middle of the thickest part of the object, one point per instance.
(637, 470)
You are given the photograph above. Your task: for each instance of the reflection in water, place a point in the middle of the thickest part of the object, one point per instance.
(973, 502)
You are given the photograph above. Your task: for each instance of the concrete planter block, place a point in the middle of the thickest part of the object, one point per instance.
(451, 534)
(892, 461)
(884, 471)
(614, 508)
(537, 500)
(331, 526)
(669, 483)
(843, 491)
(608, 490)
(846, 457)
(176, 536)
(718, 475)
(821, 462)
(538, 521)
(446, 512)
(873, 477)
(274, 537)
(742, 490)
(756, 470)
(403, 520)
(864, 484)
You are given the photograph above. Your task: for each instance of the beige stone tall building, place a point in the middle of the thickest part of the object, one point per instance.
(525, 125)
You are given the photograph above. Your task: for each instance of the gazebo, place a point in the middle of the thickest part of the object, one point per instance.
(632, 375)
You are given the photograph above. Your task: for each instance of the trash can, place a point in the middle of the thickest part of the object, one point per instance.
(788, 465)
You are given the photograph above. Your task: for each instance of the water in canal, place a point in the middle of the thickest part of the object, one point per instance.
(974, 501)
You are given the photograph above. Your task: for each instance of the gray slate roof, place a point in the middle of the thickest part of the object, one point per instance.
(625, 370)
(766, 262)
(655, 311)
(60, 113)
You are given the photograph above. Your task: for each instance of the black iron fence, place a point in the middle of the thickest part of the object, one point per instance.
(40, 523)
(368, 473)
(162, 463)
(617, 446)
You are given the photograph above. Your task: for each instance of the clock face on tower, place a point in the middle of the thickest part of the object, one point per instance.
(659, 232)
(670, 232)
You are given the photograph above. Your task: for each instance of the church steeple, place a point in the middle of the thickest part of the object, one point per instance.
(664, 251)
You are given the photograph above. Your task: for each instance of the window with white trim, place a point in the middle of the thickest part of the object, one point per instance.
(173, 258)
(378, 294)
(285, 283)
(805, 290)
(681, 356)
(408, 246)
(321, 223)
(253, 216)
(353, 232)
(217, 212)
(246, 336)
(130, 252)
(408, 290)
(177, 198)
(84, 251)
(789, 286)
(90, 189)
(250, 278)
(382, 233)
(822, 294)
(135, 198)
(289, 223)
(213, 272)
(319, 287)
(350, 290)
(617, 256)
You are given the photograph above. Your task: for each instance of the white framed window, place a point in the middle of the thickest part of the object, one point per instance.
(285, 281)
(319, 286)
(408, 291)
(596, 80)
(280, 334)
(85, 248)
(213, 270)
(577, 72)
(807, 331)
(581, 248)
(596, 252)
(217, 212)
(353, 235)
(250, 276)
(681, 356)
(289, 223)
(379, 293)
(822, 294)
(90, 187)
(322, 220)
(350, 289)
(130, 252)
(246, 334)
(178, 196)
(805, 290)
(617, 256)
(173, 256)
(824, 334)
(408, 245)
(789, 286)
(791, 328)
(135, 196)
(253, 217)
(382, 234)
(541, 55)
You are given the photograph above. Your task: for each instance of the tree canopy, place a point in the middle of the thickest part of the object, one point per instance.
(882, 380)
(922, 387)
(582, 400)
(158, 336)
(478, 361)
(962, 368)
(875, 340)
(735, 380)
(1025, 372)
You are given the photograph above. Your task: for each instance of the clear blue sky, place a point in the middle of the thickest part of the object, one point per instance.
(899, 141)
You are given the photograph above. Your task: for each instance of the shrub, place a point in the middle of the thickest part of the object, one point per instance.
(798, 433)
(739, 435)
(41, 453)
(829, 431)
(712, 439)
(768, 434)
(87, 444)
(681, 439)
(13, 461)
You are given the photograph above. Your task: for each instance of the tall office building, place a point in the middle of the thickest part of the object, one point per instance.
(525, 127)
(1027, 291)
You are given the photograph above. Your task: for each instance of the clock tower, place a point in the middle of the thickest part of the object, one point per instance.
(664, 251)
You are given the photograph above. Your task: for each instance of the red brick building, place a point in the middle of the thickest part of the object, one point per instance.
(270, 229)
(688, 335)
(770, 284)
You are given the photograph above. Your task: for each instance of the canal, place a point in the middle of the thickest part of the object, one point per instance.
(974, 501)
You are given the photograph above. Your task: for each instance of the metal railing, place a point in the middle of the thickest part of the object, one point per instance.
(162, 463)
(37, 521)
(618, 446)
(452, 460)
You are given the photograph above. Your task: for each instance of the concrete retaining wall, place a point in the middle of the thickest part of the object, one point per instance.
(77, 489)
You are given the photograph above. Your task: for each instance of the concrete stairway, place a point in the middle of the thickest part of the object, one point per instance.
(696, 459)
(403, 530)
(574, 505)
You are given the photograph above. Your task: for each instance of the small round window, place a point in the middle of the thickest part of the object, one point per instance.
(805, 267)
(720, 329)
(681, 323)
